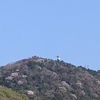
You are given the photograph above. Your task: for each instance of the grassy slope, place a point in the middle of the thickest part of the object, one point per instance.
(8, 94)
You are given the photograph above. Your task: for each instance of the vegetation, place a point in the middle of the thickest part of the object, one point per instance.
(8, 94)
(46, 79)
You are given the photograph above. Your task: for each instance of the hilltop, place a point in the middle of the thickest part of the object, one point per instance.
(47, 79)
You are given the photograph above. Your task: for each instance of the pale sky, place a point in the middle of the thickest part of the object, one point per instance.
(47, 28)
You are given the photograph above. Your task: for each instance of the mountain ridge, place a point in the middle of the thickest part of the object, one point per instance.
(47, 79)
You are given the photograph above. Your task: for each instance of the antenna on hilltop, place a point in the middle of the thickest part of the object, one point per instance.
(58, 58)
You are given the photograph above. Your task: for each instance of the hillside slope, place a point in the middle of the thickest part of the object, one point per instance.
(46, 79)
(8, 94)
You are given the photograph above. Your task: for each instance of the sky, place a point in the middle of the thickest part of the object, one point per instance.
(47, 28)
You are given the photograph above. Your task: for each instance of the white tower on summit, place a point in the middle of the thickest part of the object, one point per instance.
(58, 58)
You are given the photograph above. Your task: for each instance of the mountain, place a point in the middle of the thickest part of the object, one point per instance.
(47, 79)
(8, 94)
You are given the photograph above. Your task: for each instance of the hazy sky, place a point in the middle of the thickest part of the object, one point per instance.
(47, 28)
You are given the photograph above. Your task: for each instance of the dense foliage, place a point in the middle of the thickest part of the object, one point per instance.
(8, 94)
(46, 79)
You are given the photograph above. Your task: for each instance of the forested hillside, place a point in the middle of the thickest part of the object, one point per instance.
(8, 94)
(47, 79)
